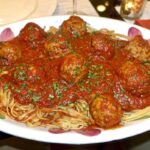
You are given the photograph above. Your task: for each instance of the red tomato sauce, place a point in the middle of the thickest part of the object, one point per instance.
(36, 78)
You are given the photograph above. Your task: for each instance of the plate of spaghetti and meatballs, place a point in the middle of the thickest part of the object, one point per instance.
(80, 76)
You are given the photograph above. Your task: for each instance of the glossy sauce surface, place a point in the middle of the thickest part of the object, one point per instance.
(57, 69)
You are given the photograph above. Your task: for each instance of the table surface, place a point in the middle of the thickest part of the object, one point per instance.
(64, 6)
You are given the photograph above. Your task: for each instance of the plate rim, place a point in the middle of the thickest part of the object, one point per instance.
(81, 139)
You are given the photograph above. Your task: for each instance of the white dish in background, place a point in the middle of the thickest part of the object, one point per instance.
(15, 10)
(44, 8)
(40, 134)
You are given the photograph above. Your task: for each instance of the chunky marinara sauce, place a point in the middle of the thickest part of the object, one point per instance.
(57, 68)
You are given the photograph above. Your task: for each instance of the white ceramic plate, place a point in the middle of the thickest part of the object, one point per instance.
(15, 10)
(40, 134)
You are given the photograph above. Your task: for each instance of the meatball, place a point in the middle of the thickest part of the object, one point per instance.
(57, 46)
(73, 27)
(106, 111)
(128, 101)
(135, 76)
(29, 72)
(139, 48)
(102, 45)
(73, 68)
(10, 51)
(32, 32)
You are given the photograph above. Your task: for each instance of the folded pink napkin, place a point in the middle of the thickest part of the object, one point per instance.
(143, 22)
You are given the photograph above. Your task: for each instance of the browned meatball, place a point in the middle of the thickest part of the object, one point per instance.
(11, 51)
(139, 48)
(28, 72)
(106, 111)
(73, 27)
(57, 46)
(32, 32)
(136, 77)
(102, 45)
(73, 68)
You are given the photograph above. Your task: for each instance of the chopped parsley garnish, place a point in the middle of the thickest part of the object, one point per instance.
(50, 97)
(18, 90)
(92, 75)
(57, 89)
(77, 70)
(2, 116)
(23, 86)
(145, 61)
(35, 97)
(21, 75)
(1, 70)
(6, 86)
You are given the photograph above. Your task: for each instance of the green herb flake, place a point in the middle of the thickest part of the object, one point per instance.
(21, 75)
(18, 90)
(57, 89)
(1, 70)
(92, 75)
(116, 95)
(126, 97)
(6, 86)
(23, 86)
(145, 61)
(77, 69)
(59, 95)
(35, 97)
(65, 88)
(55, 86)
(2, 116)
(100, 66)
(50, 97)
